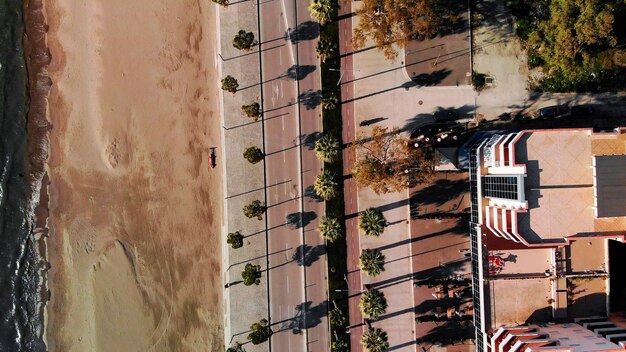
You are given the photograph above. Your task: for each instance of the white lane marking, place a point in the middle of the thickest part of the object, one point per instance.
(275, 93)
(282, 121)
(287, 283)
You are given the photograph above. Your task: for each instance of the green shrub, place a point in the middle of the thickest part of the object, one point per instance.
(251, 274)
(255, 209)
(523, 28)
(244, 40)
(235, 239)
(253, 155)
(230, 84)
(534, 60)
(252, 110)
(479, 81)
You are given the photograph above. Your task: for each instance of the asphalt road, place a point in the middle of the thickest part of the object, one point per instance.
(296, 251)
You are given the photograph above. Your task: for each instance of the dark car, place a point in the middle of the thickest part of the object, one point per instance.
(552, 111)
(446, 115)
(581, 110)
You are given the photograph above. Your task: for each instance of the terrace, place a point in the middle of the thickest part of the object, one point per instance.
(559, 181)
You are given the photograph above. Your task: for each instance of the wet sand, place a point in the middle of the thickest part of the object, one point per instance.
(134, 211)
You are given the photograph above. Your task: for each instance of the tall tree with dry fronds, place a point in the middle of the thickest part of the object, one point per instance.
(389, 22)
(386, 162)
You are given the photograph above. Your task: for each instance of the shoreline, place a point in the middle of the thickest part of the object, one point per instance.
(109, 249)
(37, 58)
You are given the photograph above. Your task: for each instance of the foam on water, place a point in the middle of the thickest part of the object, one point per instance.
(20, 265)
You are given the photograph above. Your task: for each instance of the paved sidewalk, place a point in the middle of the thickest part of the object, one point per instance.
(243, 182)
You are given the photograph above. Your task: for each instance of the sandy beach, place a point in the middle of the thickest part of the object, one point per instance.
(135, 212)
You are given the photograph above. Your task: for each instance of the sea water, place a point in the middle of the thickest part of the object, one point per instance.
(20, 308)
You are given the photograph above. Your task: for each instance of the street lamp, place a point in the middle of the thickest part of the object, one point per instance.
(341, 72)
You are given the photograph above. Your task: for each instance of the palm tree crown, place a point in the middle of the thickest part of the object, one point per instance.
(373, 304)
(372, 222)
(372, 261)
(325, 48)
(322, 10)
(327, 148)
(325, 185)
(375, 340)
(330, 228)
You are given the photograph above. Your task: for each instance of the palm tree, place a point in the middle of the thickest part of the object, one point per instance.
(373, 303)
(336, 317)
(330, 101)
(375, 340)
(326, 48)
(372, 261)
(372, 222)
(327, 148)
(340, 345)
(322, 10)
(325, 185)
(221, 2)
(330, 228)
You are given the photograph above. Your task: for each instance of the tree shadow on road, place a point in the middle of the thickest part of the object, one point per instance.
(308, 30)
(308, 140)
(300, 219)
(310, 192)
(299, 72)
(310, 99)
(306, 255)
(306, 317)
(313, 314)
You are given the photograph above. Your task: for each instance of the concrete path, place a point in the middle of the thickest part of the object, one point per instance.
(243, 182)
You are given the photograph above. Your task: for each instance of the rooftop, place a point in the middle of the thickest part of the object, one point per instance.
(574, 335)
(559, 182)
(519, 301)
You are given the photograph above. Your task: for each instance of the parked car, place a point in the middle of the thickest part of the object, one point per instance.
(581, 110)
(446, 115)
(552, 111)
